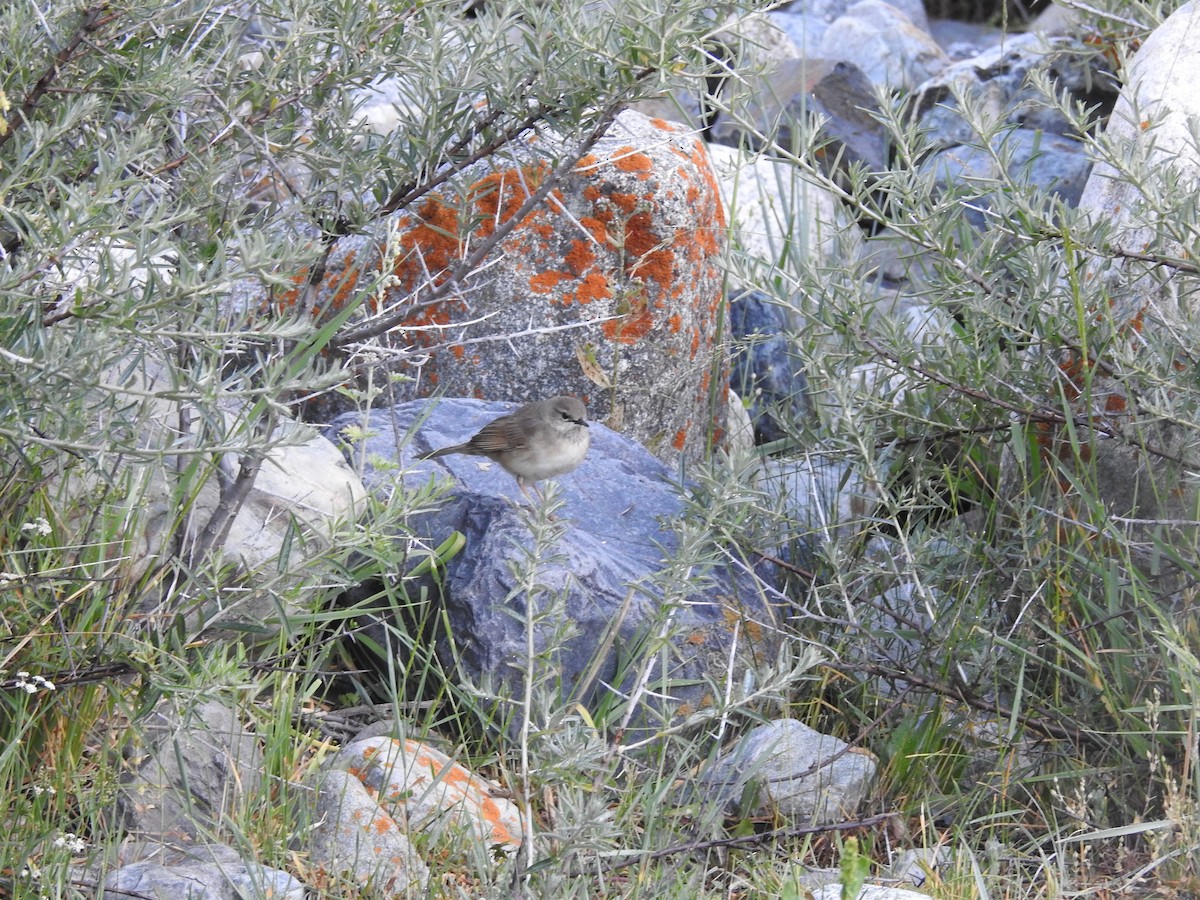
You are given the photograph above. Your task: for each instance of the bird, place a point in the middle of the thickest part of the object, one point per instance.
(540, 440)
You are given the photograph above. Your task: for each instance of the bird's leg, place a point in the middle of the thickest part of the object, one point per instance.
(524, 486)
(537, 498)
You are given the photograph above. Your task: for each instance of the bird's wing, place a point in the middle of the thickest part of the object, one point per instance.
(495, 437)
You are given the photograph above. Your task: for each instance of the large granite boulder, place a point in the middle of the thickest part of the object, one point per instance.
(608, 289)
(607, 570)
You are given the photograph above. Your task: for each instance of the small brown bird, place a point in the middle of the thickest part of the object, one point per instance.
(540, 440)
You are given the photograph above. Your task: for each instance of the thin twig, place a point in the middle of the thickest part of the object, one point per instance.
(93, 20)
(747, 840)
(1105, 14)
(382, 324)
(1049, 416)
(1166, 262)
(86, 675)
(1047, 723)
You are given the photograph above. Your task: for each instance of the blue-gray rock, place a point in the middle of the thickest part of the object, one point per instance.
(996, 84)
(799, 773)
(828, 10)
(963, 40)
(798, 89)
(766, 370)
(805, 30)
(610, 554)
(884, 43)
(195, 768)
(1051, 162)
(201, 872)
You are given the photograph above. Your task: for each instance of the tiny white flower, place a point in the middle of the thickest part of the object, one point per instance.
(39, 526)
(70, 841)
(31, 684)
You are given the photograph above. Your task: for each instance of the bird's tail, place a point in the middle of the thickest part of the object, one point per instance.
(444, 451)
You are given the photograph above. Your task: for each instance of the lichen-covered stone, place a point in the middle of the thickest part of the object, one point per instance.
(423, 787)
(354, 838)
(609, 289)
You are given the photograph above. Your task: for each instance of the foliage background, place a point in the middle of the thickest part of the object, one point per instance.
(1025, 670)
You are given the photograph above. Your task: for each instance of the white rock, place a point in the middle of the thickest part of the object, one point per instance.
(1154, 117)
(879, 39)
(801, 774)
(303, 488)
(868, 892)
(776, 212)
(419, 785)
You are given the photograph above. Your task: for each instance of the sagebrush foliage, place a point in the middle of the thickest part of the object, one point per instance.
(170, 170)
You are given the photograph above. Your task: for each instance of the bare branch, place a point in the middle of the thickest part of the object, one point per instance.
(748, 840)
(381, 324)
(1032, 414)
(93, 20)
(233, 496)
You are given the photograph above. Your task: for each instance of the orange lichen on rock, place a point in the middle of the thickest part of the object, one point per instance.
(580, 257)
(499, 196)
(384, 823)
(1073, 368)
(545, 282)
(430, 317)
(470, 790)
(632, 324)
(289, 297)
(681, 437)
(347, 283)
(492, 815)
(624, 201)
(628, 159)
(1138, 320)
(595, 286)
(433, 236)
(641, 241)
(734, 618)
(707, 235)
(597, 227)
